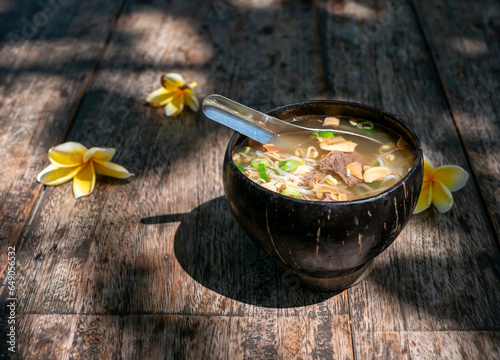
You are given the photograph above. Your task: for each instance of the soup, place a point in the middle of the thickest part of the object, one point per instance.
(353, 159)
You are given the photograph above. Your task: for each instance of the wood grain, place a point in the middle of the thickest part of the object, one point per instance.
(463, 40)
(155, 266)
(426, 345)
(38, 337)
(174, 336)
(96, 256)
(109, 262)
(44, 72)
(426, 280)
(66, 337)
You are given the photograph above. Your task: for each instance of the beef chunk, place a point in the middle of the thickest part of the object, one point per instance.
(337, 161)
(311, 178)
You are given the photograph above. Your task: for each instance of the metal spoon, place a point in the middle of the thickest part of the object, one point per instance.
(252, 123)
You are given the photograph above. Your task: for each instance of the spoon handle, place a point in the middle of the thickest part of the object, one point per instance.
(254, 124)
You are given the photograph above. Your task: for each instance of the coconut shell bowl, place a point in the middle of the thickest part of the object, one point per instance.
(328, 245)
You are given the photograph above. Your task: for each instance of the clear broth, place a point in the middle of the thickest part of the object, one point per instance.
(384, 152)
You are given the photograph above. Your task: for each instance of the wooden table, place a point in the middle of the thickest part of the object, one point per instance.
(155, 266)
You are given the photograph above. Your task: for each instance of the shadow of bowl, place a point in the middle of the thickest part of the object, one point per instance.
(211, 247)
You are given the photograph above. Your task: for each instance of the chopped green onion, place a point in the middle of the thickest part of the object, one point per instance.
(374, 183)
(377, 164)
(273, 169)
(325, 134)
(247, 149)
(365, 125)
(262, 172)
(369, 133)
(289, 165)
(255, 162)
(240, 168)
(291, 192)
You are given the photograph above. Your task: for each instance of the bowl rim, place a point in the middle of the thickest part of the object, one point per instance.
(280, 109)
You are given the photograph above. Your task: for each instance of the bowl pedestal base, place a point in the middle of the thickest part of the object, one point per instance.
(331, 284)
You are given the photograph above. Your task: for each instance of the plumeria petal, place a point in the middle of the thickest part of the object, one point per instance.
(441, 197)
(108, 168)
(193, 84)
(451, 176)
(99, 153)
(191, 100)
(68, 154)
(55, 175)
(161, 96)
(428, 169)
(172, 81)
(175, 106)
(84, 181)
(424, 200)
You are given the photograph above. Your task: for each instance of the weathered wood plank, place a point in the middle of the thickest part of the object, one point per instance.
(463, 38)
(191, 337)
(96, 256)
(425, 281)
(318, 335)
(37, 337)
(428, 345)
(45, 67)
(65, 337)
(93, 337)
(221, 337)
(184, 261)
(180, 336)
(193, 258)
